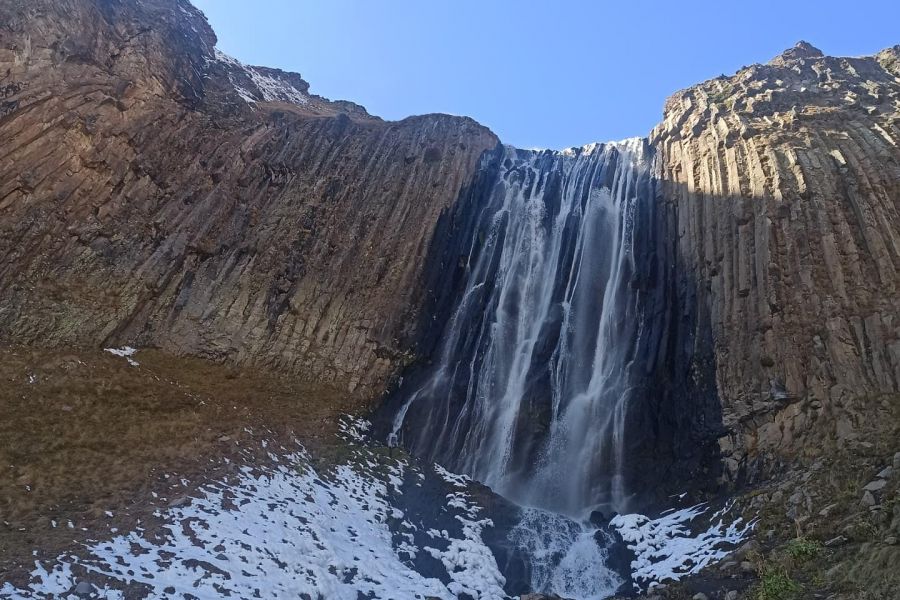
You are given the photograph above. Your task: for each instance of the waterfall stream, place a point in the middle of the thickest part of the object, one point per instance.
(530, 388)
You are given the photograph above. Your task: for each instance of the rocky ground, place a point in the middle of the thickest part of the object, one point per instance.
(828, 528)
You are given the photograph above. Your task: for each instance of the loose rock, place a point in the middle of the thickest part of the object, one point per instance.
(875, 486)
(84, 589)
(868, 499)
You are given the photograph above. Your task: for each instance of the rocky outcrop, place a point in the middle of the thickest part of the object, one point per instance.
(785, 180)
(156, 192)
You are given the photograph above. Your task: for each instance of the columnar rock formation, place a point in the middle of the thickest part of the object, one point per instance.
(785, 180)
(155, 192)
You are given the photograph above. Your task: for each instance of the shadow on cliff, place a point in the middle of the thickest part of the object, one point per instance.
(674, 417)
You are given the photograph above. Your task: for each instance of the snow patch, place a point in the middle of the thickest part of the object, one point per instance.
(284, 531)
(269, 88)
(126, 352)
(470, 563)
(667, 549)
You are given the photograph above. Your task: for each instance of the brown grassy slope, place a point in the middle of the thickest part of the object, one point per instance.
(92, 434)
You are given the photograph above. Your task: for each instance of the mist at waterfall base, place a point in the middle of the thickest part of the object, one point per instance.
(537, 382)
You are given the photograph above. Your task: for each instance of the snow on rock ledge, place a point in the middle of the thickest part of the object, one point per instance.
(668, 548)
(256, 84)
(125, 352)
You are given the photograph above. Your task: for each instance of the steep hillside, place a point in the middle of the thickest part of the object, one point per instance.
(156, 192)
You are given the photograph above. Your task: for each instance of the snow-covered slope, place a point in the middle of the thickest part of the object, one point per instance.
(374, 525)
(290, 531)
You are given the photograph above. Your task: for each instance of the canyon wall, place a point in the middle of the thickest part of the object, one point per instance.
(155, 192)
(785, 180)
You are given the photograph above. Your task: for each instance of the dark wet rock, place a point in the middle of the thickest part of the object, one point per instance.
(599, 519)
(619, 557)
(83, 589)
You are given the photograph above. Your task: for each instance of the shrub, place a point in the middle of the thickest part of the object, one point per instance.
(775, 584)
(801, 549)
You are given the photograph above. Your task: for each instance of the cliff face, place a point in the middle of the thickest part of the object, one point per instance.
(785, 180)
(158, 193)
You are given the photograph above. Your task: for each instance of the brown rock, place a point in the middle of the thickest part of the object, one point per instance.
(792, 235)
(152, 192)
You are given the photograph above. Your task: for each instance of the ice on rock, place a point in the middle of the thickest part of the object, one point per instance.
(270, 88)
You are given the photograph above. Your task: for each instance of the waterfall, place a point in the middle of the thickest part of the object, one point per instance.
(530, 387)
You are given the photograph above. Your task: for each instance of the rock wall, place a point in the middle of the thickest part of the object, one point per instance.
(157, 193)
(785, 179)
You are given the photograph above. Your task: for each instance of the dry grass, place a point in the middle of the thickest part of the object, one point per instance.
(92, 434)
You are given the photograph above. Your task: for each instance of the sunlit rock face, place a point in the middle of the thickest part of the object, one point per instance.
(156, 192)
(785, 179)
(572, 372)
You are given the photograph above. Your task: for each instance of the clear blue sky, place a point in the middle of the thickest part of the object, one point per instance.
(547, 74)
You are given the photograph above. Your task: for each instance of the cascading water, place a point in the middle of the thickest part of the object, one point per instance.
(531, 385)
(569, 366)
